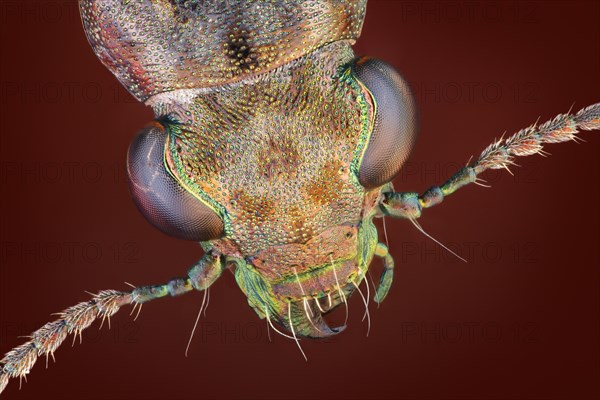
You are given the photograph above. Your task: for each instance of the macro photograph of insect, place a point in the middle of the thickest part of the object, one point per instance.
(299, 199)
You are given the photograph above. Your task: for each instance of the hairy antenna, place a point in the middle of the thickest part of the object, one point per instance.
(18, 362)
(44, 342)
(500, 154)
(528, 141)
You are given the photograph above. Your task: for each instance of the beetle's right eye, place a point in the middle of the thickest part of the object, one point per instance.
(163, 201)
(395, 122)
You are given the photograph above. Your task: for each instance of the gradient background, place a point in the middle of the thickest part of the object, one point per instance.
(520, 320)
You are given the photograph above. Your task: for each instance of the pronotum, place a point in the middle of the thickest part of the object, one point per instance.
(433, 182)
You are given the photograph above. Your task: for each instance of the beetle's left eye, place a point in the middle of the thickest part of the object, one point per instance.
(395, 122)
(161, 199)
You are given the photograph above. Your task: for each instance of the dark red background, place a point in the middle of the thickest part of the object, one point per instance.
(520, 320)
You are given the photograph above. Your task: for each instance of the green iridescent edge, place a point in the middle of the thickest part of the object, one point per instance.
(367, 232)
(173, 133)
(348, 77)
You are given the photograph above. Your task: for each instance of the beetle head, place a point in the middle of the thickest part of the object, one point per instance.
(296, 285)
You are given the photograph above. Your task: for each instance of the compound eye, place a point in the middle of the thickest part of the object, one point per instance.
(395, 122)
(161, 199)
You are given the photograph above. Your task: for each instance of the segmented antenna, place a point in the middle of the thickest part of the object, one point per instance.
(528, 141)
(500, 154)
(18, 362)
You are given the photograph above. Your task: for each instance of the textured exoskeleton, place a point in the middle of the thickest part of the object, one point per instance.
(271, 143)
(273, 146)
